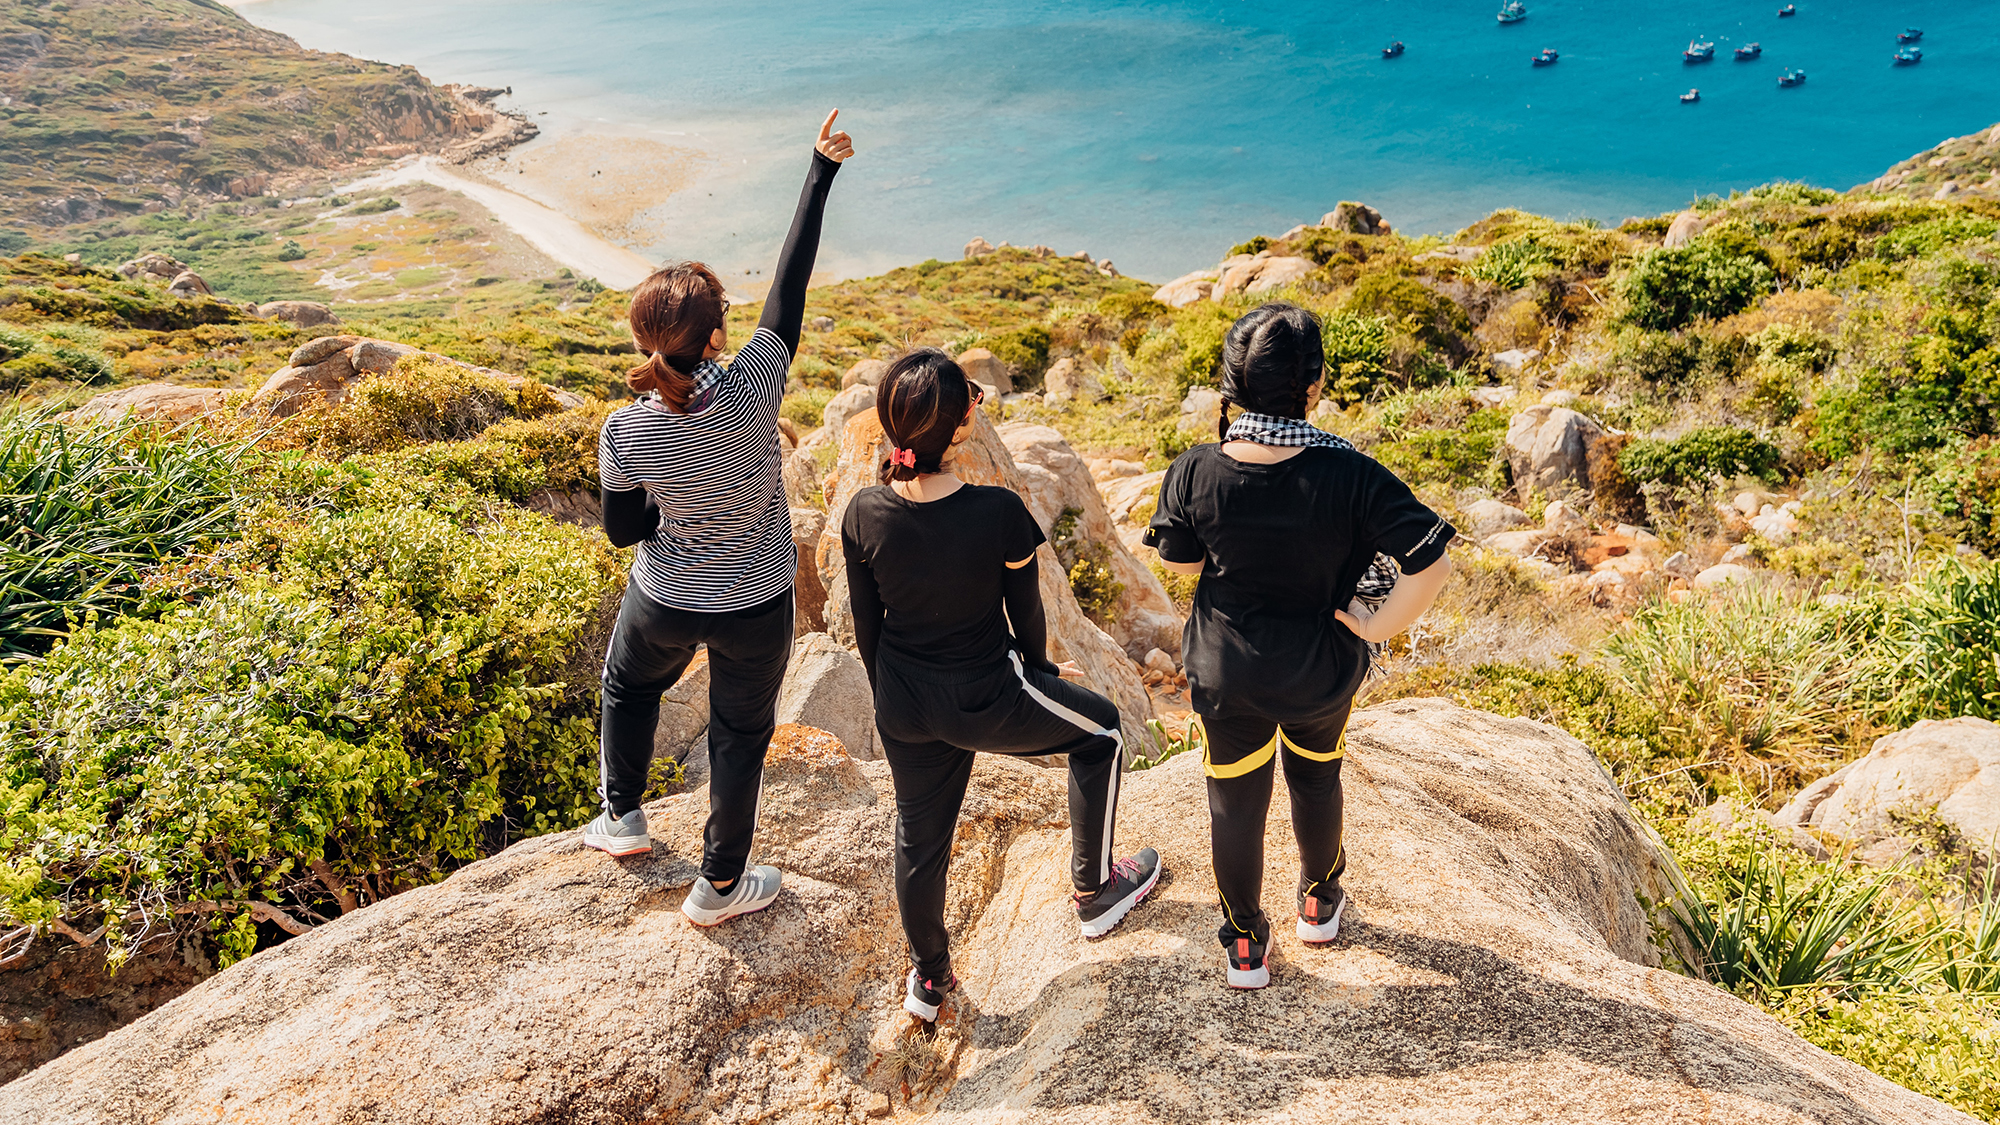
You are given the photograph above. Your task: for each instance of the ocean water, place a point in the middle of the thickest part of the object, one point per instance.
(1158, 134)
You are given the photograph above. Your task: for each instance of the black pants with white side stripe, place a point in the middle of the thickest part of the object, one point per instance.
(931, 721)
(1239, 756)
(651, 646)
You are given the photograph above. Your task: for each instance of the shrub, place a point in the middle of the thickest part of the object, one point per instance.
(1513, 263)
(14, 344)
(806, 407)
(1709, 453)
(1357, 355)
(421, 399)
(85, 511)
(398, 695)
(1932, 235)
(1940, 653)
(1938, 1043)
(1668, 289)
(1026, 350)
(1461, 455)
(375, 206)
(291, 251)
(1088, 565)
(1612, 489)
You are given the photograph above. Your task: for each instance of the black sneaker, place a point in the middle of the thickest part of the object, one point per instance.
(923, 997)
(1319, 914)
(1246, 964)
(1131, 881)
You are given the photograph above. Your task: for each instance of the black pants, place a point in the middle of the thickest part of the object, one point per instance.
(931, 722)
(651, 646)
(1238, 756)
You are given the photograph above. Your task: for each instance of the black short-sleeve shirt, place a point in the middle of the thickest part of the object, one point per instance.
(1282, 547)
(940, 567)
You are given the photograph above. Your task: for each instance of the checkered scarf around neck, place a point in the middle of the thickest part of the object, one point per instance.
(707, 375)
(1269, 429)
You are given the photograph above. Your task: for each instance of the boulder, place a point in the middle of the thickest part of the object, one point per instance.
(1201, 410)
(1280, 271)
(978, 248)
(983, 459)
(1258, 273)
(1487, 518)
(1724, 574)
(826, 687)
(1123, 496)
(1513, 360)
(304, 314)
(189, 284)
(1355, 218)
(1495, 966)
(1560, 518)
(867, 372)
(1186, 289)
(1068, 380)
(158, 401)
(1682, 230)
(821, 324)
(1776, 525)
(1490, 397)
(323, 370)
(1054, 480)
(841, 407)
(1548, 448)
(1952, 767)
(809, 593)
(1520, 543)
(988, 370)
(152, 267)
(683, 724)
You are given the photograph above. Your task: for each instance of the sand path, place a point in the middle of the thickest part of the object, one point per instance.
(546, 229)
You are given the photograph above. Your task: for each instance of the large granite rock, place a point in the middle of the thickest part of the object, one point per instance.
(153, 267)
(165, 402)
(302, 314)
(983, 459)
(1682, 230)
(982, 366)
(1548, 448)
(1054, 479)
(325, 369)
(826, 687)
(1950, 767)
(1355, 218)
(1186, 289)
(1068, 380)
(1494, 967)
(1260, 273)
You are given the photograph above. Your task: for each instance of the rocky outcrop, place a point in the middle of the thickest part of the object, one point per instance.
(1548, 448)
(1068, 380)
(867, 372)
(161, 401)
(826, 687)
(1487, 518)
(1054, 480)
(323, 370)
(808, 593)
(1260, 273)
(683, 714)
(983, 367)
(1495, 967)
(1950, 767)
(1682, 230)
(153, 267)
(835, 414)
(1356, 218)
(983, 459)
(188, 284)
(301, 314)
(978, 248)
(1186, 289)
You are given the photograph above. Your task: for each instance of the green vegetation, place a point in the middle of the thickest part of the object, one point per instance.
(1710, 453)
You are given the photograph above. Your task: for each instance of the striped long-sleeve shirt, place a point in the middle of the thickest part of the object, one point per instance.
(724, 536)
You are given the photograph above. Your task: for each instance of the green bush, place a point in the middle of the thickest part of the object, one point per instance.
(1708, 453)
(86, 511)
(1357, 355)
(1513, 263)
(291, 251)
(13, 344)
(1088, 565)
(397, 695)
(1668, 289)
(375, 206)
(1026, 350)
(1932, 235)
(806, 407)
(421, 399)
(1940, 653)
(1939, 1043)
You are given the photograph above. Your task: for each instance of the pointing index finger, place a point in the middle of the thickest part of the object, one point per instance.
(826, 127)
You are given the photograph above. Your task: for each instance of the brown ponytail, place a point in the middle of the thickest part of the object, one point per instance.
(674, 312)
(923, 398)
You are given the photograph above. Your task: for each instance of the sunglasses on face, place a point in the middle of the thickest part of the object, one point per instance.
(978, 392)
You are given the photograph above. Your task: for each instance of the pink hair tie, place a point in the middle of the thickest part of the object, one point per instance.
(904, 457)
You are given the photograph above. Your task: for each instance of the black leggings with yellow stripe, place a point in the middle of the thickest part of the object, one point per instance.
(1238, 753)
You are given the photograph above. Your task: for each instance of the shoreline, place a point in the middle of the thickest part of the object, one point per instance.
(548, 230)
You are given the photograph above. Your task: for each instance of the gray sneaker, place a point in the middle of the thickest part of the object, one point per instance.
(618, 835)
(752, 891)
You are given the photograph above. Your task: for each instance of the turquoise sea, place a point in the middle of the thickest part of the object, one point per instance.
(1158, 134)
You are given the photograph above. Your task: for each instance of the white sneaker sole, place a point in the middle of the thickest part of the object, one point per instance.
(1321, 934)
(1249, 978)
(702, 917)
(1106, 922)
(925, 1012)
(618, 845)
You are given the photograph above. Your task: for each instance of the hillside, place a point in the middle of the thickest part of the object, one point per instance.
(1968, 165)
(122, 107)
(1729, 482)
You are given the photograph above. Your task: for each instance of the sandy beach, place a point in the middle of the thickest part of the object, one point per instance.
(546, 229)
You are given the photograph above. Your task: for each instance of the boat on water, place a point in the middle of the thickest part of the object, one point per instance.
(1548, 57)
(1749, 51)
(1788, 10)
(1699, 52)
(1513, 11)
(1910, 35)
(1792, 78)
(1691, 97)
(1909, 56)
(1393, 50)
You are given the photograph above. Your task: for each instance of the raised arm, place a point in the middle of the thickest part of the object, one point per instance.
(785, 307)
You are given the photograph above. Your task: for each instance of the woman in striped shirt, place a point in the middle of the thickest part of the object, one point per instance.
(691, 474)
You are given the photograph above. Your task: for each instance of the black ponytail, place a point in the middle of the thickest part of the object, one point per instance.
(1271, 358)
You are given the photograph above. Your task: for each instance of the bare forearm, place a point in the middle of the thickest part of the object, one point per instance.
(1411, 599)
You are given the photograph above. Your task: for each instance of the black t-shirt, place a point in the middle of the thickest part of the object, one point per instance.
(1282, 547)
(939, 570)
